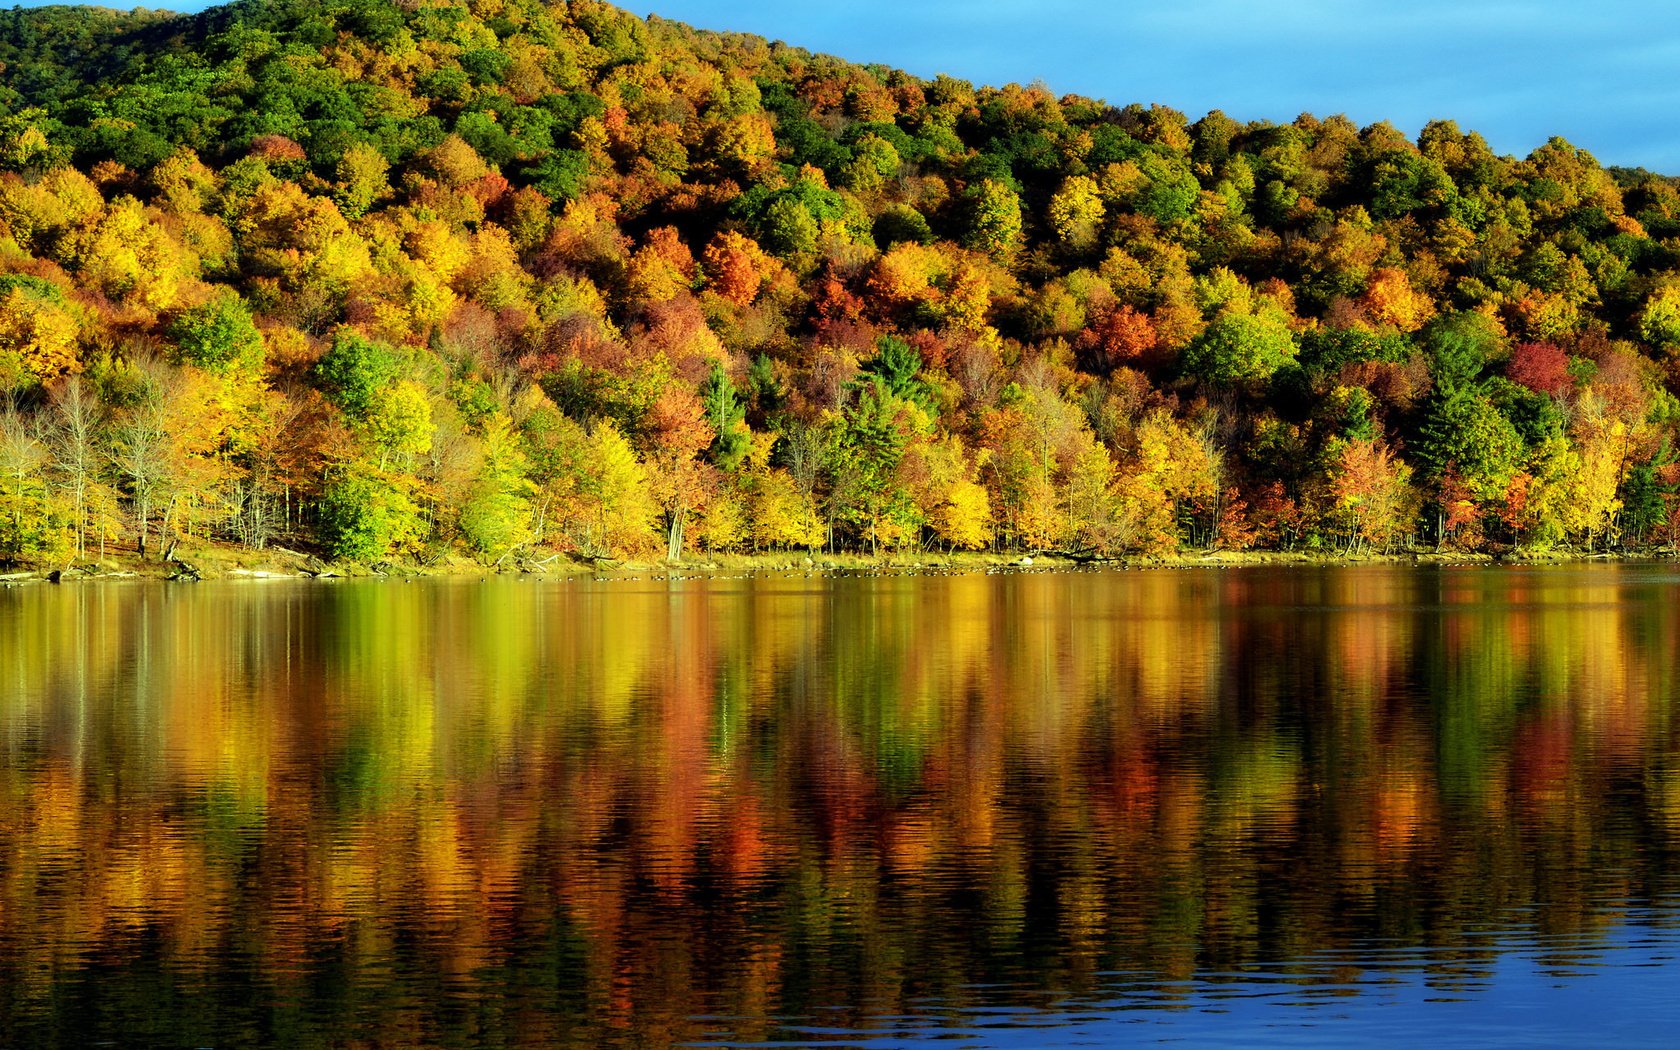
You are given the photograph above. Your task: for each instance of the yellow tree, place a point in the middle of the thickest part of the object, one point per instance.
(1076, 212)
(38, 332)
(1590, 496)
(782, 515)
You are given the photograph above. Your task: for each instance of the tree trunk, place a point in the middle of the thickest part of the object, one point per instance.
(674, 540)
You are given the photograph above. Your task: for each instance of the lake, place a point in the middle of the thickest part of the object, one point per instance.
(1220, 807)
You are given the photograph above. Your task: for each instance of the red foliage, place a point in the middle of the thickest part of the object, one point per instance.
(1118, 336)
(1276, 517)
(1542, 367)
(665, 243)
(1460, 518)
(1620, 382)
(676, 424)
(677, 331)
(489, 190)
(934, 352)
(1235, 532)
(832, 301)
(1513, 511)
(277, 149)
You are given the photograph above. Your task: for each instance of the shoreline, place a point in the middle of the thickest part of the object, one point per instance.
(221, 564)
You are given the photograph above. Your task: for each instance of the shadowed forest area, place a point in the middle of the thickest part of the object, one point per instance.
(390, 280)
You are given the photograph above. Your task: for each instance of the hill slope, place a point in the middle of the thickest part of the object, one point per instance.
(396, 278)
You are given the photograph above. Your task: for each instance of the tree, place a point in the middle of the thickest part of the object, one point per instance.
(726, 416)
(353, 372)
(992, 213)
(1644, 499)
(399, 422)
(616, 499)
(1372, 492)
(140, 455)
(964, 519)
(219, 336)
(1659, 323)
(78, 457)
(368, 515)
(782, 515)
(1076, 212)
(1238, 349)
(1541, 367)
(361, 179)
(29, 531)
(38, 333)
(496, 517)
(737, 267)
(1466, 433)
(1460, 346)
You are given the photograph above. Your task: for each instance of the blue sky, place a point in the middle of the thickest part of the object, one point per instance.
(1604, 74)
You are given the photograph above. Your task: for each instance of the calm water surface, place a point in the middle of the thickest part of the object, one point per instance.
(1321, 807)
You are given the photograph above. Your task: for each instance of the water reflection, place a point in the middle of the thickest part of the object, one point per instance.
(556, 813)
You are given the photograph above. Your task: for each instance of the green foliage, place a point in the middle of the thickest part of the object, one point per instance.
(895, 369)
(726, 415)
(1326, 350)
(1537, 418)
(1643, 496)
(788, 221)
(1172, 191)
(476, 399)
(992, 213)
(901, 224)
(368, 515)
(1403, 182)
(494, 520)
(34, 287)
(399, 422)
(353, 372)
(1460, 347)
(1239, 348)
(1464, 432)
(219, 337)
(562, 175)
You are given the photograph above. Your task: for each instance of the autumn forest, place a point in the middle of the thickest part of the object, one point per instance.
(391, 281)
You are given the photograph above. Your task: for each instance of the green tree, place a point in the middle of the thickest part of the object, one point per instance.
(727, 416)
(1460, 346)
(495, 519)
(1465, 432)
(219, 337)
(353, 372)
(368, 515)
(361, 179)
(992, 213)
(399, 422)
(1240, 348)
(1644, 501)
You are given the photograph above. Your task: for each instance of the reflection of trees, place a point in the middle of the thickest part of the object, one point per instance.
(568, 813)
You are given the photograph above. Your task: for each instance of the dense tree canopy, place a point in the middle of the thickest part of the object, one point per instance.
(395, 279)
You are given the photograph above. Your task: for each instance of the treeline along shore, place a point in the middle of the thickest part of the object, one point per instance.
(338, 285)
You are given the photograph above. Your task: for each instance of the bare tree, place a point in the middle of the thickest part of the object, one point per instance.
(79, 462)
(140, 454)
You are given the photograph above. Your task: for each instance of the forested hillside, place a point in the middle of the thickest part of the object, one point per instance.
(396, 279)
